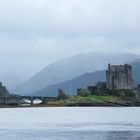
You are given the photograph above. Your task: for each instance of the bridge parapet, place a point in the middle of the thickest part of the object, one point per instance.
(21, 99)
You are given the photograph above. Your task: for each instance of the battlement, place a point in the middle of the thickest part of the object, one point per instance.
(119, 67)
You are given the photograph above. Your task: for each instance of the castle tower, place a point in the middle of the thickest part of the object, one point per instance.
(119, 77)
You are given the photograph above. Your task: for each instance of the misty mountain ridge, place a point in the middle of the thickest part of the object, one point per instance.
(72, 85)
(69, 68)
(87, 79)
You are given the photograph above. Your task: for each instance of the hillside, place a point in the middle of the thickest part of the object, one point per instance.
(81, 81)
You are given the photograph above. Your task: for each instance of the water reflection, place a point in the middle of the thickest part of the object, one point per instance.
(122, 135)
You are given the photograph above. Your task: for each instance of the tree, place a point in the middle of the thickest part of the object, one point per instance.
(61, 93)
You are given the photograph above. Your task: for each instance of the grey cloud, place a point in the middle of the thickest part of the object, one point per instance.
(34, 33)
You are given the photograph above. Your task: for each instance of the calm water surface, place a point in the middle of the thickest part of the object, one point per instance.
(70, 123)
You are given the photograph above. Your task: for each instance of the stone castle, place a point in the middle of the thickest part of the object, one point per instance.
(119, 77)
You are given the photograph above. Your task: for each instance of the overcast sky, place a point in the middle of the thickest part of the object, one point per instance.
(34, 33)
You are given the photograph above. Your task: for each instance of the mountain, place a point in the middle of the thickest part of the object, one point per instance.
(69, 68)
(79, 82)
(84, 81)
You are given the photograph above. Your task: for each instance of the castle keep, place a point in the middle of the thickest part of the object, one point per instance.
(119, 77)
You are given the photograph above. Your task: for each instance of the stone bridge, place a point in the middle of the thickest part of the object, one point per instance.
(21, 99)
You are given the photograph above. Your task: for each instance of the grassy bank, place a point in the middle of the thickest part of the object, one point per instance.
(94, 100)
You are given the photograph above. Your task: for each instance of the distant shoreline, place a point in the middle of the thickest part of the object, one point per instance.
(80, 101)
(72, 105)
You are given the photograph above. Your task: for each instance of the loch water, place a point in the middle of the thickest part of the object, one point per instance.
(70, 123)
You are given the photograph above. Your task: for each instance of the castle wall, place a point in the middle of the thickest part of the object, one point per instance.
(119, 77)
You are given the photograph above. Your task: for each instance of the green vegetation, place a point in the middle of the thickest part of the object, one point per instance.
(84, 92)
(92, 100)
(122, 93)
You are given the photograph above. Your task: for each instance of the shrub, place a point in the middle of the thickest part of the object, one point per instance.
(84, 92)
(122, 92)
